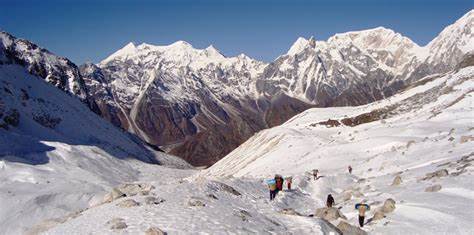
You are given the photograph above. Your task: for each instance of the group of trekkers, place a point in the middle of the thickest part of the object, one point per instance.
(276, 185)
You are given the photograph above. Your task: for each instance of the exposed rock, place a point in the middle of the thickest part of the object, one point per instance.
(154, 200)
(463, 166)
(136, 188)
(329, 123)
(46, 120)
(378, 215)
(210, 195)
(128, 203)
(12, 117)
(154, 231)
(117, 224)
(329, 213)
(397, 180)
(290, 211)
(113, 195)
(433, 188)
(388, 206)
(436, 174)
(466, 138)
(348, 229)
(196, 202)
(243, 214)
(219, 186)
(456, 173)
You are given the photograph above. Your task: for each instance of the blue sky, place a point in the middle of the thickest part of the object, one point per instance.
(91, 30)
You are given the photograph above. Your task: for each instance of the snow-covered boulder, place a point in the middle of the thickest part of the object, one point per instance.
(348, 229)
(378, 215)
(117, 224)
(136, 188)
(154, 231)
(216, 186)
(397, 180)
(329, 213)
(128, 203)
(153, 200)
(196, 202)
(388, 206)
(290, 211)
(436, 174)
(433, 188)
(113, 195)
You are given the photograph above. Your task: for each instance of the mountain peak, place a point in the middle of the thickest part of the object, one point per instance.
(181, 44)
(298, 46)
(128, 49)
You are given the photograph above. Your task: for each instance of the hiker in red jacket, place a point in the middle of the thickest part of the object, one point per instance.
(279, 182)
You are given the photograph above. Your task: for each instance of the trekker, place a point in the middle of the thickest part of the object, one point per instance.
(330, 201)
(272, 187)
(362, 209)
(279, 183)
(350, 169)
(315, 174)
(288, 182)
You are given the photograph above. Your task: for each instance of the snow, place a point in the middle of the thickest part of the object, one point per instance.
(48, 172)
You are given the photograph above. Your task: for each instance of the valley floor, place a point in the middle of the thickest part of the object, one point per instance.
(202, 206)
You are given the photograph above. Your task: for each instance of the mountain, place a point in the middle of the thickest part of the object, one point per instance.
(59, 71)
(199, 104)
(56, 155)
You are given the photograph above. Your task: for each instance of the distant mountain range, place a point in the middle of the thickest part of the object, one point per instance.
(199, 104)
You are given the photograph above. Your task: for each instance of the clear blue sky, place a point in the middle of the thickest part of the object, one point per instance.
(91, 30)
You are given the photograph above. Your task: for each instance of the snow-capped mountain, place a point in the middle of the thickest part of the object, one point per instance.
(38, 61)
(55, 153)
(192, 100)
(197, 100)
(445, 51)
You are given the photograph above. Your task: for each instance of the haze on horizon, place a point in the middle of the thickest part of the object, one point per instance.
(91, 30)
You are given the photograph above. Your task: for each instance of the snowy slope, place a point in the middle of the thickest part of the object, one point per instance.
(56, 155)
(421, 130)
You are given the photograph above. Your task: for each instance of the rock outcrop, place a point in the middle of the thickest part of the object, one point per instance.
(128, 203)
(117, 224)
(329, 213)
(397, 180)
(154, 231)
(388, 206)
(348, 229)
(433, 188)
